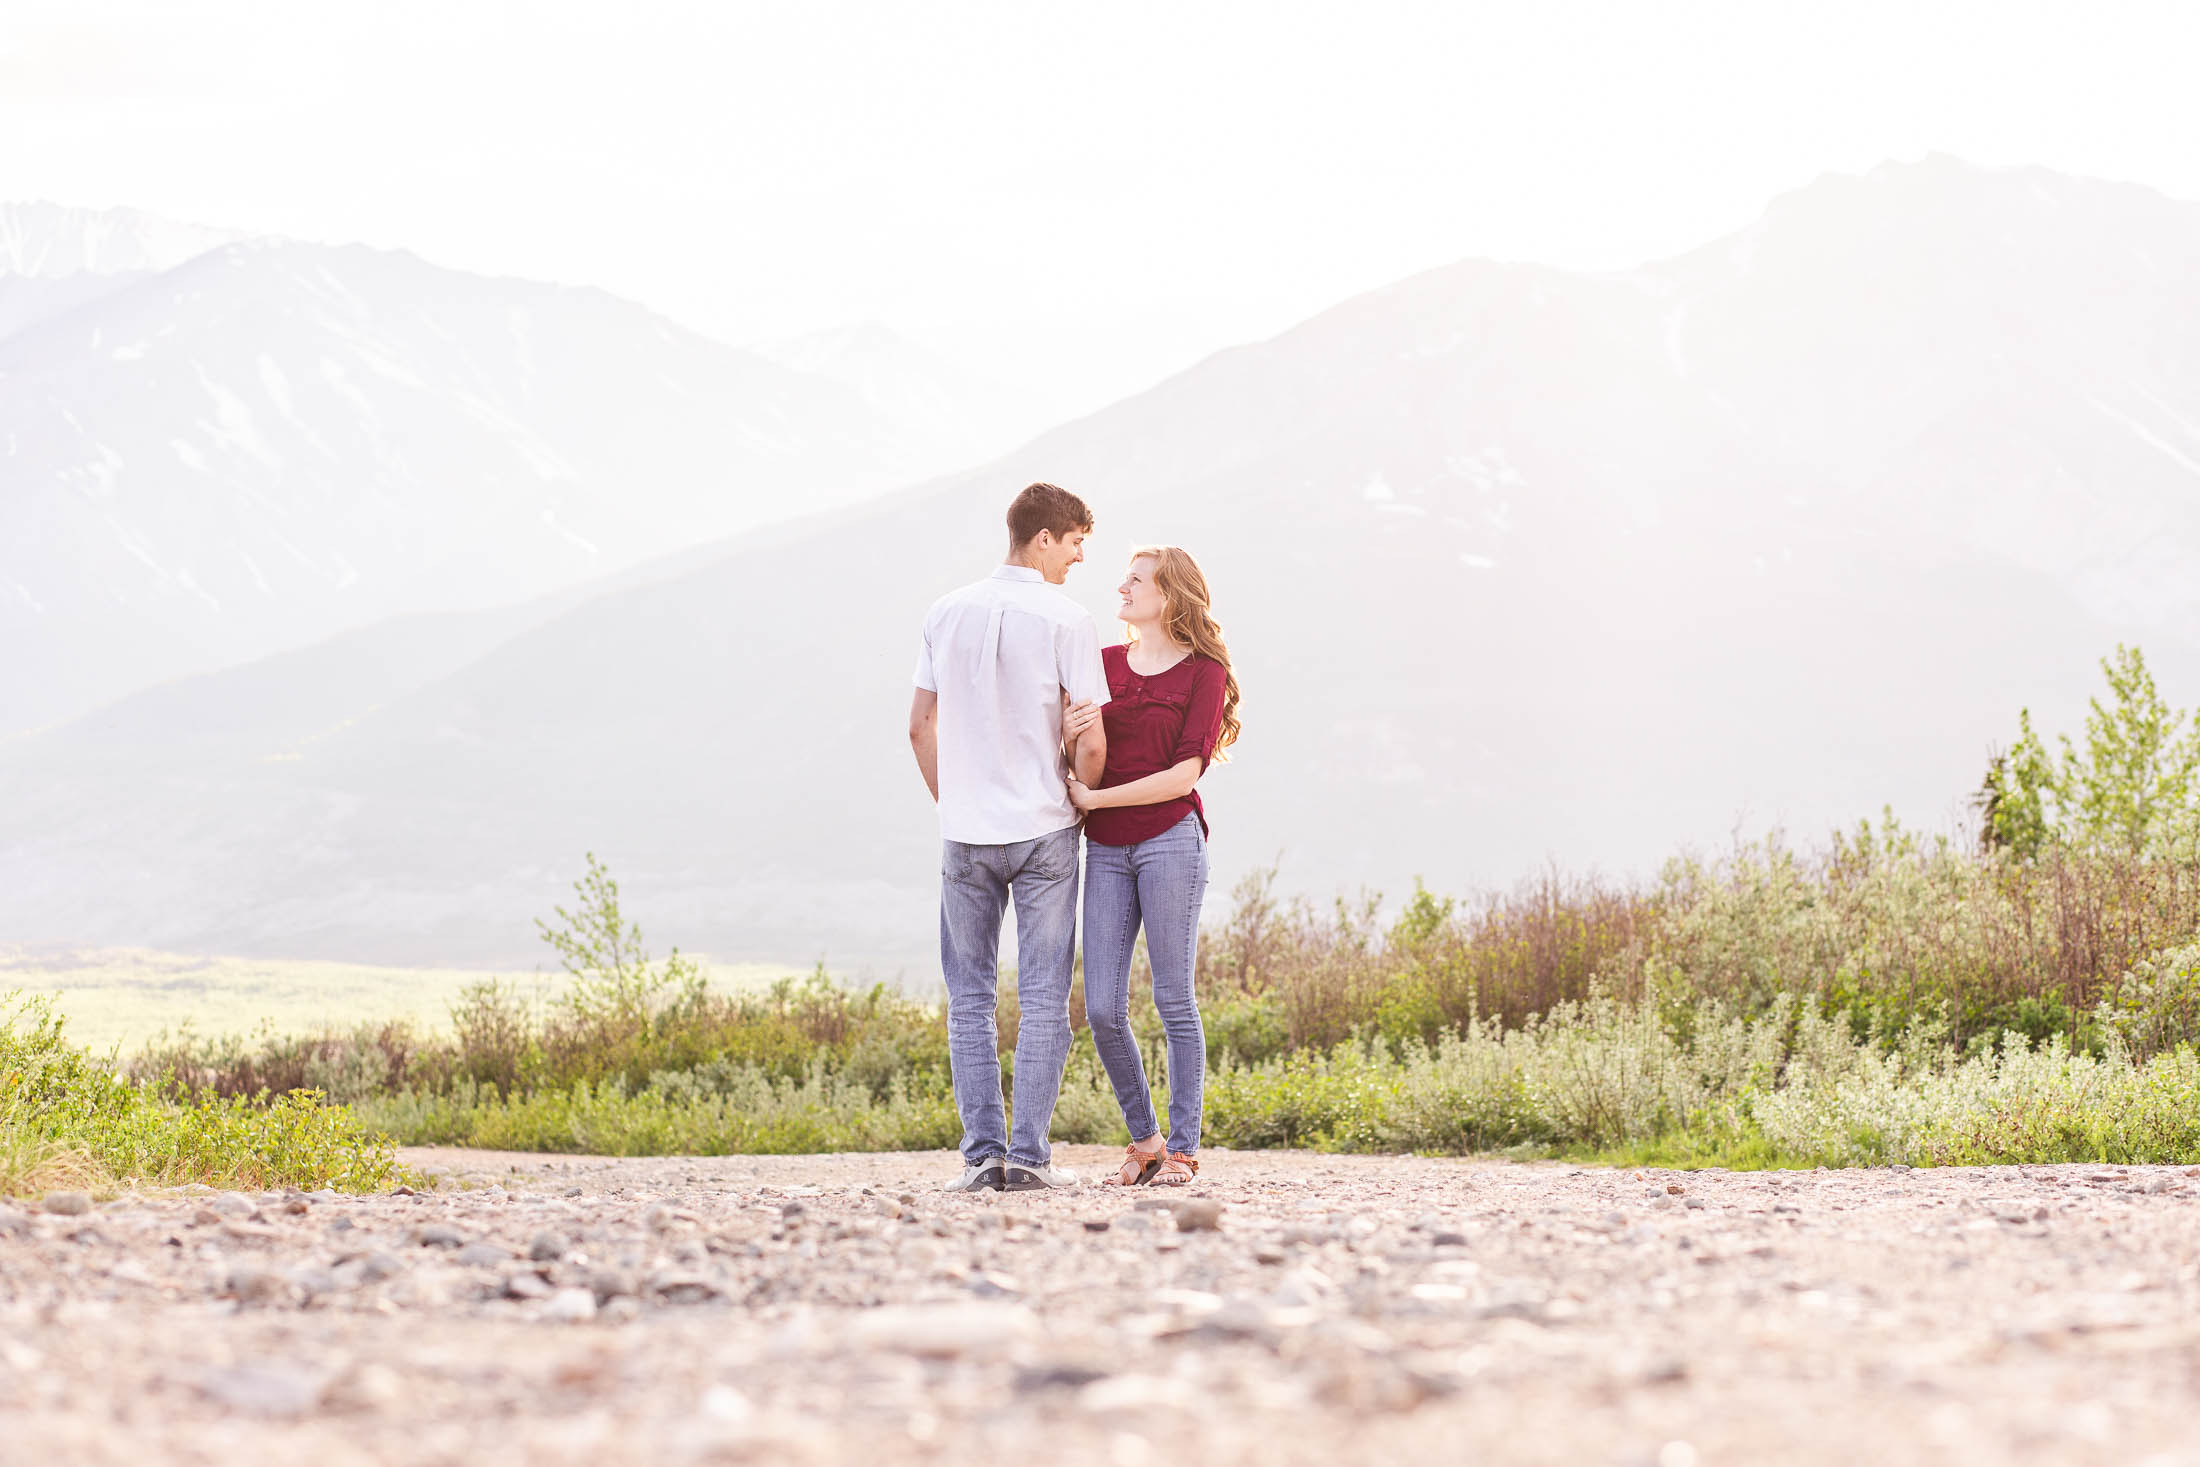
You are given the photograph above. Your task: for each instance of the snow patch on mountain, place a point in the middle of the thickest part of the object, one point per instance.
(2146, 435)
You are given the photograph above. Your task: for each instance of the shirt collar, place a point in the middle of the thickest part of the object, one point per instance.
(1016, 573)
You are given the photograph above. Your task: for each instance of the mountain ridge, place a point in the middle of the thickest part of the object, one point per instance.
(1513, 572)
(272, 442)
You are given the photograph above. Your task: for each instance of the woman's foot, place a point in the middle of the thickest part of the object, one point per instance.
(1177, 1171)
(1141, 1159)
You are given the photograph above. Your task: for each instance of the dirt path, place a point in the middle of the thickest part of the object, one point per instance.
(838, 1309)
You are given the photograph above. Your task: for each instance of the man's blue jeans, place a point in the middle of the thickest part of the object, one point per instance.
(976, 883)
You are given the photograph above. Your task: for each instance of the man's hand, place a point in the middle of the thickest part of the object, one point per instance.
(1077, 717)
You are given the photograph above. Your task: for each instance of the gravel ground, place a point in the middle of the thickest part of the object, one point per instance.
(1288, 1309)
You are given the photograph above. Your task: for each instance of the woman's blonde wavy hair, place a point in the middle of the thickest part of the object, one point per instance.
(1188, 620)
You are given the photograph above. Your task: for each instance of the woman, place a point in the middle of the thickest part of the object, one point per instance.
(1172, 706)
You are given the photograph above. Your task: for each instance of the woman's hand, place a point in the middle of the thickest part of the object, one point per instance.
(1081, 795)
(1078, 717)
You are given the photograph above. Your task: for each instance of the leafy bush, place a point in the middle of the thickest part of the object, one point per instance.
(68, 1118)
(1615, 1080)
(2156, 1005)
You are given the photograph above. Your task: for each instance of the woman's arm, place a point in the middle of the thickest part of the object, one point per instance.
(1084, 740)
(1090, 757)
(1173, 783)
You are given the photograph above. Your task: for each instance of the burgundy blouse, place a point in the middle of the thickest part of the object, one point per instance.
(1155, 723)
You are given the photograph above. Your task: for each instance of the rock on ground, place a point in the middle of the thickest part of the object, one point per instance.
(1287, 1309)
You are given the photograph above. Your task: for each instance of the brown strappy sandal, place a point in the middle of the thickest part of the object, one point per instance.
(1138, 1166)
(1178, 1170)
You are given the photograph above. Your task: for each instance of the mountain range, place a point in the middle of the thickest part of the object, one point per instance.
(210, 454)
(1517, 564)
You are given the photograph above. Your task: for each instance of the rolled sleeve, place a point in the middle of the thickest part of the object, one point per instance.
(1077, 662)
(925, 678)
(1202, 716)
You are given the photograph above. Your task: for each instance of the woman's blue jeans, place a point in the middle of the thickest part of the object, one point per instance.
(1157, 883)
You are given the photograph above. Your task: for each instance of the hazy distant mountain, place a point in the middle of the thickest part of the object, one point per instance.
(1517, 564)
(268, 443)
(55, 259)
(55, 241)
(964, 416)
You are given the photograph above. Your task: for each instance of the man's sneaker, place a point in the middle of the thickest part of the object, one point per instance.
(984, 1176)
(1021, 1178)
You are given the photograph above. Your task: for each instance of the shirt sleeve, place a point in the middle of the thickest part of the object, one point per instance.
(1077, 661)
(925, 677)
(1202, 716)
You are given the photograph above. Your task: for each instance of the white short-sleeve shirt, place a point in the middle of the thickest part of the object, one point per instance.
(1000, 653)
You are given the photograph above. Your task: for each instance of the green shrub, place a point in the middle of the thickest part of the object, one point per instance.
(66, 1117)
(2156, 1005)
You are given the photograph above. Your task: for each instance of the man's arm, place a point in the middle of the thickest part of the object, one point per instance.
(1084, 680)
(924, 737)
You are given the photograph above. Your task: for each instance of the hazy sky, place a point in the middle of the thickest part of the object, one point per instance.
(1085, 196)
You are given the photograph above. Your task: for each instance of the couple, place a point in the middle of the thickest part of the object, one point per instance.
(1022, 725)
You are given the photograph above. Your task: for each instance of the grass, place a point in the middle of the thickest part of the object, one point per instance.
(1884, 999)
(1604, 1080)
(69, 1121)
(128, 996)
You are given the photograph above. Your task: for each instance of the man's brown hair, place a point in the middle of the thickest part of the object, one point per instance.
(1045, 507)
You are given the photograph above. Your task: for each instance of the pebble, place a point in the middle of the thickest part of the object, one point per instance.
(252, 1284)
(684, 1289)
(273, 1389)
(233, 1205)
(366, 1387)
(945, 1331)
(611, 1283)
(548, 1247)
(726, 1405)
(438, 1235)
(66, 1204)
(570, 1306)
(528, 1285)
(376, 1267)
(484, 1254)
(1199, 1215)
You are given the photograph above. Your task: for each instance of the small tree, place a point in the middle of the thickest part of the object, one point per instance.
(2130, 788)
(614, 984)
(2134, 781)
(2020, 796)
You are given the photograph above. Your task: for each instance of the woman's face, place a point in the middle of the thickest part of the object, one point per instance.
(1142, 600)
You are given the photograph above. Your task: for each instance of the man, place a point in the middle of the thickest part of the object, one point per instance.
(1009, 685)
